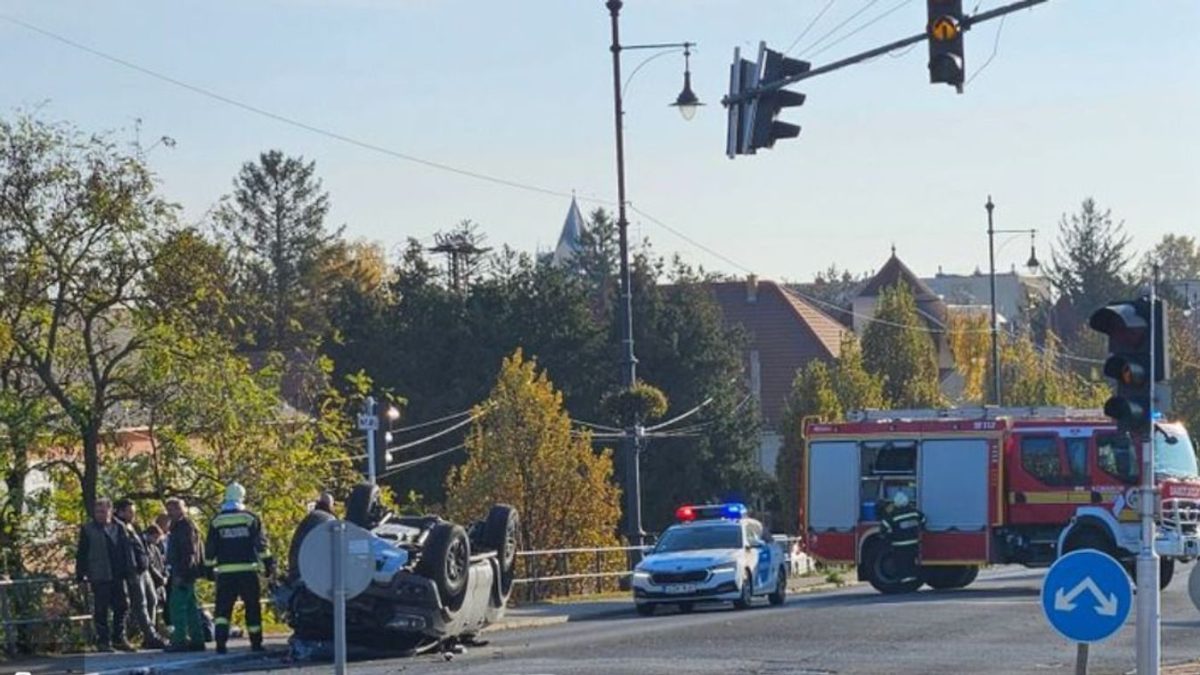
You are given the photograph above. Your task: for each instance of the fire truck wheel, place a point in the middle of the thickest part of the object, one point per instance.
(1089, 538)
(1166, 571)
(883, 572)
(957, 576)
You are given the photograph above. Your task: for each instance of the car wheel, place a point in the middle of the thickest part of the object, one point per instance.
(777, 597)
(644, 609)
(686, 607)
(747, 591)
(502, 534)
(446, 559)
(361, 504)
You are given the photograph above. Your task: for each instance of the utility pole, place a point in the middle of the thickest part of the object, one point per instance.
(996, 397)
(1149, 629)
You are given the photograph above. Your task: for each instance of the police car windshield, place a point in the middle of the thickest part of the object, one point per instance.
(700, 537)
(1176, 459)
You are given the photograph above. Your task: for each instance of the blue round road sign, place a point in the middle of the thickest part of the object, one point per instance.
(1086, 596)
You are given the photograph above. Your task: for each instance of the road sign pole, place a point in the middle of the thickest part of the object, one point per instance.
(1149, 636)
(1081, 658)
(339, 597)
(369, 410)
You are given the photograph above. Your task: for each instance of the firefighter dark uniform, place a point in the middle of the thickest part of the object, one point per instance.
(901, 526)
(236, 551)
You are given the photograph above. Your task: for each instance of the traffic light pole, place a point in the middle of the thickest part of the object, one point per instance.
(968, 23)
(1149, 630)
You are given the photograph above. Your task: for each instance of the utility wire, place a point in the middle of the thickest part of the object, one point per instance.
(602, 427)
(684, 416)
(808, 27)
(995, 49)
(397, 468)
(439, 434)
(838, 27)
(421, 425)
(861, 28)
(366, 145)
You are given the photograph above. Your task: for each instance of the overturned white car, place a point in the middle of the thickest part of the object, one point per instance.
(435, 582)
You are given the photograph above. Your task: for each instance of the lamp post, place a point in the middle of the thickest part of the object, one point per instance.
(1033, 266)
(687, 103)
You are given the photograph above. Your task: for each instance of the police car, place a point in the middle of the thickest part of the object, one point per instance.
(715, 553)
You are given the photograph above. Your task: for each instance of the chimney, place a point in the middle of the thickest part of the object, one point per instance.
(751, 288)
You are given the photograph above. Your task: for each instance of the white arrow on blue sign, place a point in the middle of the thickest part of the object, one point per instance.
(1086, 596)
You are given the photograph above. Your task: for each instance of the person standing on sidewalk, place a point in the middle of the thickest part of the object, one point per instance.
(236, 550)
(185, 565)
(138, 586)
(102, 560)
(153, 538)
(321, 512)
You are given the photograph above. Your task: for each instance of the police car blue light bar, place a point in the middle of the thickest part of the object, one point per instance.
(730, 511)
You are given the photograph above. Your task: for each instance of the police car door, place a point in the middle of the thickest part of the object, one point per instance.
(760, 558)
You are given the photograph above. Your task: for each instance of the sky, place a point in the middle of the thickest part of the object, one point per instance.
(1082, 98)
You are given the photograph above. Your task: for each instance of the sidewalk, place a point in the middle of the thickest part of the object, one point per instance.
(153, 662)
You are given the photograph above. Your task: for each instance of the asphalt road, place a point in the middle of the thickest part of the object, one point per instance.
(995, 626)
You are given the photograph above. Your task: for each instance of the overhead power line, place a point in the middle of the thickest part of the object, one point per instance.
(895, 8)
(337, 136)
(835, 29)
(422, 425)
(809, 27)
(397, 468)
(439, 434)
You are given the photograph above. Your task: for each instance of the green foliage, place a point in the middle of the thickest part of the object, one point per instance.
(275, 223)
(1185, 371)
(1034, 375)
(1090, 265)
(522, 451)
(970, 345)
(636, 405)
(898, 348)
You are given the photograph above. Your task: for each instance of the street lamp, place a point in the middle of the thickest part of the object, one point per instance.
(1033, 266)
(687, 104)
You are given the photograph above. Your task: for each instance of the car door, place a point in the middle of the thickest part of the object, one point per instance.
(760, 554)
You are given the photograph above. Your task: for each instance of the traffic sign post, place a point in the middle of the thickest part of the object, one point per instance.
(368, 421)
(1086, 597)
(336, 564)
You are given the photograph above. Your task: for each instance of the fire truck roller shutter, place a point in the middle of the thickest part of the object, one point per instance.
(832, 486)
(953, 484)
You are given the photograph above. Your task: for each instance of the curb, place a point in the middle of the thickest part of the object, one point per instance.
(187, 665)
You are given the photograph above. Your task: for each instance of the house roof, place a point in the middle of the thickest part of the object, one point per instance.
(929, 305)
(784, 329)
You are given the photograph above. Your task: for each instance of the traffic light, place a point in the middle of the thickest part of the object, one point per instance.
(945, 29)
(752, 113)
(765, 129)
(1127, 324)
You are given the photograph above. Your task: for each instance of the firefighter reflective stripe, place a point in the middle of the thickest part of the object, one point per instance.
(230, 568)
(233, 519)
(220, 621)
(910, 542)
(911, 515)
(253, 629)
(210, 562)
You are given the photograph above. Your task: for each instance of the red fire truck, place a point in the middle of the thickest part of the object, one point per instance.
(997, 486)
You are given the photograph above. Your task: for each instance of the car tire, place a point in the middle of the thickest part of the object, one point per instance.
(644, 609)
(880, 571)
(502, 534)
(361, 504)
(779, 595)
(446, 559)
(747, 593)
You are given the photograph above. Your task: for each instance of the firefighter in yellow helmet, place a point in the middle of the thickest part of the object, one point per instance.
(236, 552)
(901, 526)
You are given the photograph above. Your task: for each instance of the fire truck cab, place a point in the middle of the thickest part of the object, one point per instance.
(996, 485)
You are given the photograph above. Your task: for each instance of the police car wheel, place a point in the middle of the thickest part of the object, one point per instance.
(363, 499)
(779, 595)
(747, 590)
(501, 533)
(644, 609)
(446, 558)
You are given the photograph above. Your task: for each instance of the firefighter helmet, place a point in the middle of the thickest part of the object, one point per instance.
(234, 492)
(901, 499)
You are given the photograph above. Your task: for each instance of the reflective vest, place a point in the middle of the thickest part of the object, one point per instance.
(236, 543)
(902, 526)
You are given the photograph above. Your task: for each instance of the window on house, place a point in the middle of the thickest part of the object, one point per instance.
(1040, 458)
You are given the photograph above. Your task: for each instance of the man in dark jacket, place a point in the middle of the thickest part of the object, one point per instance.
(901, 526)
(138, 586)
(321, 512)
(236, 550)
(102, 559)
(156, 552)
(185, 565)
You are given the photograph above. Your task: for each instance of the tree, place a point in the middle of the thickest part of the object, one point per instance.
(898, 348)
(1185, 371)
(77, 222)
(191, 283)
(1034, 375)
(522, 451)
(970, 345)
(1089, 265)
(856, 388)
(275, 221)
(1178, 257)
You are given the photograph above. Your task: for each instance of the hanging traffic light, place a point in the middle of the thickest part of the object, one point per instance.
(765, 129)
(1134, 360)
(742, 78)
(945, 29)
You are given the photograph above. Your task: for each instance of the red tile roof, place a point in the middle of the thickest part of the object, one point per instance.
(785, 329)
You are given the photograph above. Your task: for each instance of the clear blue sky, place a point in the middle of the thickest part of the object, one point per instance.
(1084, 97)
